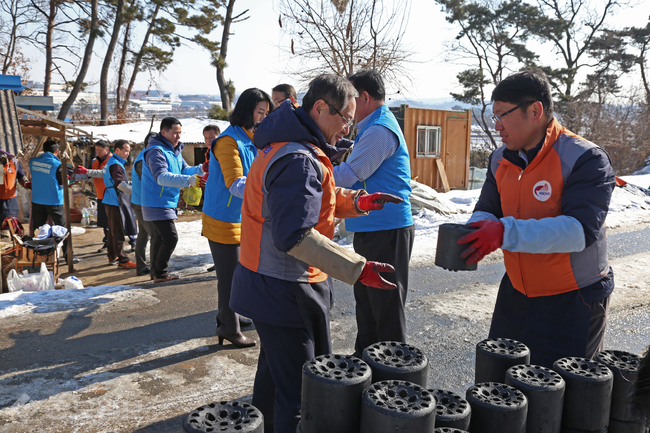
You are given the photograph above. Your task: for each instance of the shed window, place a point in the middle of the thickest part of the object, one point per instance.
(428, 143)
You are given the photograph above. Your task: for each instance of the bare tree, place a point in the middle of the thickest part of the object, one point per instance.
(343, 36)
(17, 28)
(108, 57)
(92, 28)
(492, 42)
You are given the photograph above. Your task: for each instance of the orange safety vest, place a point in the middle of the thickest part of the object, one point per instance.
(258, 252)
(100, 187)
(536, 193)
(8, 190)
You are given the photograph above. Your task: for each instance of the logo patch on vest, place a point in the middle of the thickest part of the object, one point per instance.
(542, 190)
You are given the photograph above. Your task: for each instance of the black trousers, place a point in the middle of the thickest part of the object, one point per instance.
(225, 258)
(163, 243)
(380, 313)
(115, 241)
(553, 327)
(145, 230)
(40, 212)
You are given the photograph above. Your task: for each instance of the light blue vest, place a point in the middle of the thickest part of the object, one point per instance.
(393, 176)
(110, 195)
(219, 203)
(155, 195)
(46, 189)
(136, 182)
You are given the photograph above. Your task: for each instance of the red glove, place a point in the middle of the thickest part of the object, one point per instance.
(80, 170)
(28, 185)
(370, 275)
(205, 167)
(203, 180)
(376, 201)
(486, 239)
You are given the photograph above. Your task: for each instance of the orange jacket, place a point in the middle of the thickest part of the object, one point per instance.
(100, 187)
(8, 190)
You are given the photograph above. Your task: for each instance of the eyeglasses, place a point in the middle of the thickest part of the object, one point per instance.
(499, 117)
(348, 123)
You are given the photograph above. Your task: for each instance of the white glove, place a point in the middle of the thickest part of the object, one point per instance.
(194, 180)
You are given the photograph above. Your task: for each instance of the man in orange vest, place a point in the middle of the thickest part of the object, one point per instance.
(544, 203)
(11, 170)
(102, 155)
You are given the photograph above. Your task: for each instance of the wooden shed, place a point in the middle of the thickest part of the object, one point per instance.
(439, 143)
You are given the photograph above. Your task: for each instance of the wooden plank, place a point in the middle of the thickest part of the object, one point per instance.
(443, 174)
(30, 130)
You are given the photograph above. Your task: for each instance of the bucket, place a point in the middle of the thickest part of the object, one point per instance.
(448, 250)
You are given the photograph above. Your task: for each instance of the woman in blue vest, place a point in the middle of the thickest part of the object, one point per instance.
(232, 155)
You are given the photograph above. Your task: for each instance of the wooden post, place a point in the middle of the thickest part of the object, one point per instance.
(443, 174)
(66, 204)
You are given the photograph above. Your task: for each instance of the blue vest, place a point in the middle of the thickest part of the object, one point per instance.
(219, 203)
(110, 195)
(393, 176)
(155, 195)
(46, 189)
(136, 182)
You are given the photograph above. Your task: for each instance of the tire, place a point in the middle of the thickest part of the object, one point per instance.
(497, 408)
(452, 410)
(397, 405)
(588, 395)
(338, 380)
(624, 366)
(495, 356)
(226, 416)
(391, 360)
(544, 389)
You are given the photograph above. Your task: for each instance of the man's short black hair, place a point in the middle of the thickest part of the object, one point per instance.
(242, 114)
(287, 89)
(369, 80)
(103, 143)
(146, 139)
(168, 122)
(212, 127)
(119, 144)
(50, 146)
(529, 85)
(330, 88)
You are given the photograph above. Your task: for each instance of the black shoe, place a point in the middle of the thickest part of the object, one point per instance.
(102, 249)
(210, 269)
(143, 271)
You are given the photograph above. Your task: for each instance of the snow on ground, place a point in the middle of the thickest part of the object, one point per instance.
(192, 254)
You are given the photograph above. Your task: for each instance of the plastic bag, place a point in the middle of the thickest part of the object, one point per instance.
(192, 195)
(14, 282)
(45, 280)
(72, 282)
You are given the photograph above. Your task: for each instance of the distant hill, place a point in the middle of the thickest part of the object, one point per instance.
(439, 103)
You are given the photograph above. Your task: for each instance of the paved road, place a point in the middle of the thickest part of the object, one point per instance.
(138, 360)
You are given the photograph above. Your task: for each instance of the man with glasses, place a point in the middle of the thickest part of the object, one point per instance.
(544, 203)
(287, 251)
(282, 92)
(379, 161)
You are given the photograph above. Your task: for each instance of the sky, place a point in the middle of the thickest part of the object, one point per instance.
(256, 60)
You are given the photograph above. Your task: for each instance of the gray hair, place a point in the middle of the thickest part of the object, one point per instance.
(331, 88)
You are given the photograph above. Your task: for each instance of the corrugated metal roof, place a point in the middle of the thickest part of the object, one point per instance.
(11, 138)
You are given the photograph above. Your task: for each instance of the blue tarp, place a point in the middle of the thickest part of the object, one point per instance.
(11, 82)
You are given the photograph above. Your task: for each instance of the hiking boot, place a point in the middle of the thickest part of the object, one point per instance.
(128, 265)
(112, 261)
